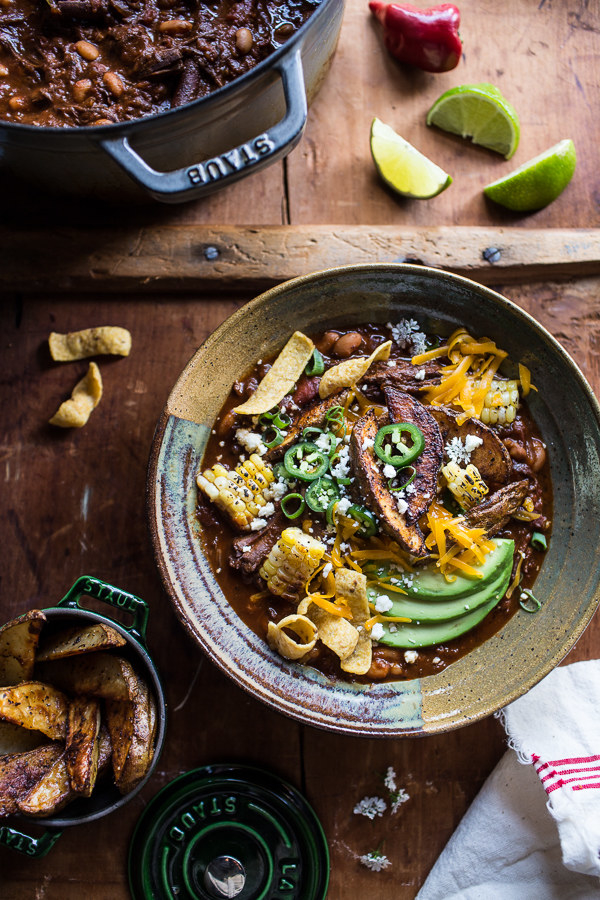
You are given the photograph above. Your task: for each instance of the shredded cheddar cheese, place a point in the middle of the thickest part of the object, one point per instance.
(468, 546)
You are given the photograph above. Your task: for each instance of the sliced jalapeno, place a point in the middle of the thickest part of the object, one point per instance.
(292, 505)
(367, 520)
(390, 446)
(321, 493)
(316, 364)
(305, 461)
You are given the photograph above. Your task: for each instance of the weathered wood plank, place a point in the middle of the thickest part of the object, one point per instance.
(190, 257)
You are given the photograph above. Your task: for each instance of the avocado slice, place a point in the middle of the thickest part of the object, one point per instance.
(426, 583)
(439, 620)
(424, 612)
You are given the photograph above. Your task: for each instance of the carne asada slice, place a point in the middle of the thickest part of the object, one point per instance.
(373, 486)
(313, 417)
(261, 543)
(404, 408)
(491, 457)
(404, 375)
(495, 511)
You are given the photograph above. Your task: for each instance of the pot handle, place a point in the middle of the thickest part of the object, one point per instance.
(25, 843)
(196, 181)
(114, 596)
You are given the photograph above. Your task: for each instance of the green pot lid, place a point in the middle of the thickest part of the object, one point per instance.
(228, 831)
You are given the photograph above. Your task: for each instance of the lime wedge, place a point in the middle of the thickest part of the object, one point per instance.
(478, 111)
(538, 182)
(402, 167)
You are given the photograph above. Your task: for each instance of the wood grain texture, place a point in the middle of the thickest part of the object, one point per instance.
(195, 257)
(74, 504)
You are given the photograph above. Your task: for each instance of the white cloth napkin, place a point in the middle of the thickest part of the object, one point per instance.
(511, 844)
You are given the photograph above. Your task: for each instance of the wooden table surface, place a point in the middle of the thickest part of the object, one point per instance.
(74, 501)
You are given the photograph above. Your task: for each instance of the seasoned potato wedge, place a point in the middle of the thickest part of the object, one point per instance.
(20, 772)
(18, 643)
(51, 793)
(132, 727)
(98, 674)
(83, 727)
(73, 641)
(36, 706)
(16, 739)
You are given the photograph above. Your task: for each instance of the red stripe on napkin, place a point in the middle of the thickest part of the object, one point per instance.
(553, 773)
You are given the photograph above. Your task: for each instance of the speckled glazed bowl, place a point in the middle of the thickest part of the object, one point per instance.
(502, 668)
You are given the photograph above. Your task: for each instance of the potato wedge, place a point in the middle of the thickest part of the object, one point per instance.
(73, 641)
(51, 793)
(20, 772)
(133, 750)
(18, 643)
(98, 674)
(37, 707)
(83, 727)
(16, 739)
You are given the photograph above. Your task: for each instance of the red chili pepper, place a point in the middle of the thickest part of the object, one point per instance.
(426, 38)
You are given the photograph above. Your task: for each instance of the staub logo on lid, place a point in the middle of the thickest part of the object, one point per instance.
(233, 161)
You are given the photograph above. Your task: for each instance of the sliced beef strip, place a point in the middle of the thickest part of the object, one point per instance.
(374, 490)
(261, 544)
(314, 416)
(404, 408)
(494, 512)
(491, 458)
(403, 375)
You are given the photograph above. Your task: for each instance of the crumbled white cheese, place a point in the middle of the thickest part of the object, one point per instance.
(246, 549)
(389, 471)
(327, 568)
(343, 506)
(383, 604)
(342, 467)
(377, 631)
(471, 442)
(410, 656)
(250, 441)
(375, 861)
(420, 375)
(323, 442)
(257, 523)
(371, 807)
(393, 628)
(402, 505)
(436, 660)
(367, 443)
(267, 510)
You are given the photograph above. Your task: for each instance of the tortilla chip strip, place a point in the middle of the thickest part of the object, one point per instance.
(334, 631)
(286, 646)
(105, 340)
(281, 377)
(351, 587)
(350, 371)
(75, 412)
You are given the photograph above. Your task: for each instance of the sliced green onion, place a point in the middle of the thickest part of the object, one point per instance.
(311, 429)
(267, 417)
(395, 490)
(293, 498)
(316, 364)
(344, 480)
(366, 519)
(321, 493)
(336, 415)
(389, 438)
(305, 461)
(526, 604)
(278, 436)
(281, 419)
(538, 541)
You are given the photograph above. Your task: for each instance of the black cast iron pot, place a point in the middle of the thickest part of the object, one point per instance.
(105, 798)
(188, 152)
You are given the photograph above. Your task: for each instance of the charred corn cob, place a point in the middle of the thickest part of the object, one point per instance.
(467, 485)
(291, 563)
(501, 402)
(239, 494)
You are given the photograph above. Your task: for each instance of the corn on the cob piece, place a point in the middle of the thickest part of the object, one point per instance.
(501, 402)
(291, 563)
(239, 494)
(467, 485)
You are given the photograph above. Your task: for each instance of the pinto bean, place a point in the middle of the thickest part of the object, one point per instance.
(226, 423)
(537, 454)
(347, 344)
(516, 450)
(325, 343)
(244, 40)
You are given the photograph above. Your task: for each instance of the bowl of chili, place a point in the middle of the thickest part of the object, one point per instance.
(467, 674)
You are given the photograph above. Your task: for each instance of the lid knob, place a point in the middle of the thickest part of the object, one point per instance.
(225, 876)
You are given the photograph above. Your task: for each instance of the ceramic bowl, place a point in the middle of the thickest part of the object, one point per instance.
(506, 665)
